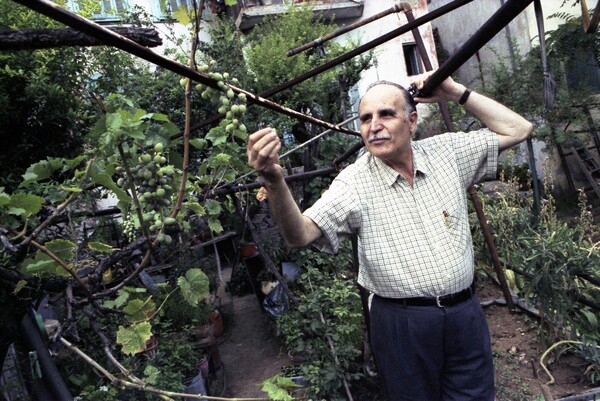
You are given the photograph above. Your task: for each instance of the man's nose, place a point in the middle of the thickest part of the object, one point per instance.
(375, 124)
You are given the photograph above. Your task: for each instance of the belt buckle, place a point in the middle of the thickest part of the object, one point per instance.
(438, 303)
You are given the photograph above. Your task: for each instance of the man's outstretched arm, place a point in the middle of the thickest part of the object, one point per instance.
(263, 156)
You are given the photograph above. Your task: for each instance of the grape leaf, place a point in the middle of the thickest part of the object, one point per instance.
(215, 225)
(196, 208)
(42, 264)
(151, 374)
(101, 247)
(217, 136)
(118, 301)
(138, 309)
(213, 207)
(198, 143)
(20, 285)
(99, 175)
(194, 286)
(31, 204)
(133, 339)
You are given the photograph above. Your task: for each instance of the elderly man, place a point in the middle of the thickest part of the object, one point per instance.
(406, 202)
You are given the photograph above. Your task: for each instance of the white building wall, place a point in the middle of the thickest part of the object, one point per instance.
(389, 56)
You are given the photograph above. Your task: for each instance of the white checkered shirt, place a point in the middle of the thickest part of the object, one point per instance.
(412, 241)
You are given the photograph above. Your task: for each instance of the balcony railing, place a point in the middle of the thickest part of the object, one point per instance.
(253, 11)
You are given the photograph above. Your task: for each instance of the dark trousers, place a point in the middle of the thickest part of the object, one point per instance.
(427, 353)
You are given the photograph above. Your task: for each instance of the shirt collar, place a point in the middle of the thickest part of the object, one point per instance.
(390, 176)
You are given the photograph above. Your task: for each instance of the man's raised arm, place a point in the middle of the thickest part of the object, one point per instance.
(510, 127)
(263, 156)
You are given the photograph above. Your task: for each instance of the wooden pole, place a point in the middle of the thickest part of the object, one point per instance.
(492, 247)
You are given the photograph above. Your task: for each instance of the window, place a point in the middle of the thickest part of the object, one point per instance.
(412, 59)
(109, 11)
(163, 9)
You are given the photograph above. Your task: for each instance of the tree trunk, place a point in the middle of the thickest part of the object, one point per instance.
(30, 39)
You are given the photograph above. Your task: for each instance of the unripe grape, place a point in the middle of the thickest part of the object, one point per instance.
(183, 82)
(159, 147)
(230, 93)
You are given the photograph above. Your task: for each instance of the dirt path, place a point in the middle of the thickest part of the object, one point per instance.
(250, 350)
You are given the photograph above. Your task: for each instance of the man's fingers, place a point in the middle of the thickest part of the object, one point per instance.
(258, 135)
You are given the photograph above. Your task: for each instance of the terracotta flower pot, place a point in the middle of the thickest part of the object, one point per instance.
(247, 250)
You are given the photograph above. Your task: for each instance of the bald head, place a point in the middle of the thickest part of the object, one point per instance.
(409, 103)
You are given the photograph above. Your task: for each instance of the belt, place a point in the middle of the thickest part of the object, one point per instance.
(439, 301)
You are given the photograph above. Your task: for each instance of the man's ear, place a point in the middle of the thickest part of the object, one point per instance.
(412, 121)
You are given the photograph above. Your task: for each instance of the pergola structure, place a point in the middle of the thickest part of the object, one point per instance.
(487, 31)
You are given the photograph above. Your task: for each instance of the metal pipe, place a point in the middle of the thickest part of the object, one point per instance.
(443, 105)
(317, 42)
(111, 38)
(51, 375)
(487, 31)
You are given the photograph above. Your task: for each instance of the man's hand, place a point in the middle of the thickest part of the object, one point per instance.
(447, 90)
(263, 153)
(263, 156)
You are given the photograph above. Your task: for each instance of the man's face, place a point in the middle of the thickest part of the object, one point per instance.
(384, 125)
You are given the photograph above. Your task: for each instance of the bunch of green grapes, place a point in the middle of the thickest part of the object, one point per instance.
(129, 228)
(154, 182)
(232, 106)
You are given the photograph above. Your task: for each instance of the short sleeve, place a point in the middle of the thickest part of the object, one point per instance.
(334, 213)
(476, 156)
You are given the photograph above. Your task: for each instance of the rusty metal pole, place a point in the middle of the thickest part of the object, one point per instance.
(443, 105)
(484, 34)
(489, 239)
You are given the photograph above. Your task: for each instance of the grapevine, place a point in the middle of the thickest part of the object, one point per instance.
(154, 181)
